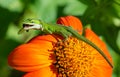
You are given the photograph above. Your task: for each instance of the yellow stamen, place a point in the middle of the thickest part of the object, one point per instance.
(74, 58)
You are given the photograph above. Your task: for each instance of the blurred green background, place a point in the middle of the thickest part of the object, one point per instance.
(103, 15)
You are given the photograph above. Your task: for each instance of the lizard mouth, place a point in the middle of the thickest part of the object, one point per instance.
(27, 25)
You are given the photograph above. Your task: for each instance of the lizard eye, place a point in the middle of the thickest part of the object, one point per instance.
(32, 22)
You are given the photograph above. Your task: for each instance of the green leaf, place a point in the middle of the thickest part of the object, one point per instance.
(89, 2)
(118, 39)
(75, 7)
(6, 17)
(117, 8)
(45, 9)
(12, 5)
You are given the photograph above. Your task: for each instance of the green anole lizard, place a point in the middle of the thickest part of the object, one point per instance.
(65, 31)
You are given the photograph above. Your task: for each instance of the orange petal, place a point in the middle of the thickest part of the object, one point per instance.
(48, 38)
(43, 72)
(89, 34)
(101, 71)
(71, 21)
(32, 56)
(101, 67)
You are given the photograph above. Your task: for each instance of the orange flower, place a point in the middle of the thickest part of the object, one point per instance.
(71, 21)
(48, 56)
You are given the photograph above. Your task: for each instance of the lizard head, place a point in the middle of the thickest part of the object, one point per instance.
(31, 24)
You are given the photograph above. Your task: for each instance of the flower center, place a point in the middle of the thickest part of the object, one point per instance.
(73, 58)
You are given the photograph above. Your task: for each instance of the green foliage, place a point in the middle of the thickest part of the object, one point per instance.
(103, 15)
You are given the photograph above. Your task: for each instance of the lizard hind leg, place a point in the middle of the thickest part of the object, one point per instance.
(66, 35)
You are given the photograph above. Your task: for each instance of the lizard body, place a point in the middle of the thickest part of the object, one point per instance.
(65, 31)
